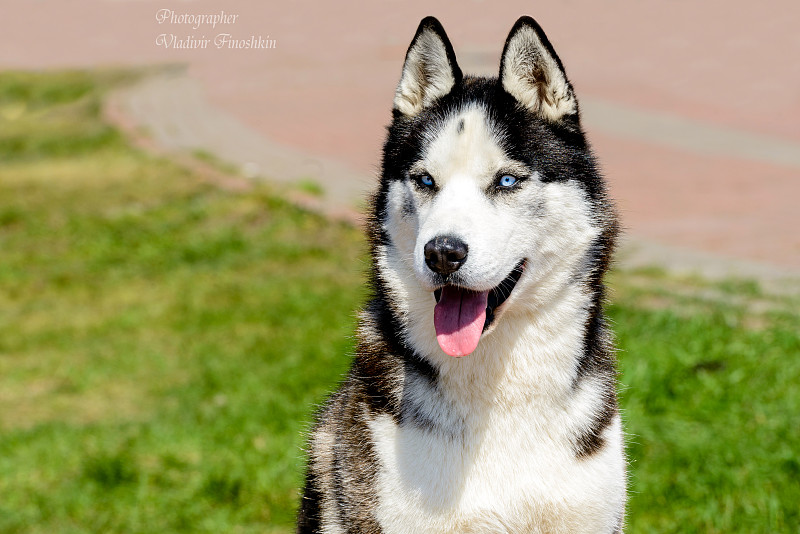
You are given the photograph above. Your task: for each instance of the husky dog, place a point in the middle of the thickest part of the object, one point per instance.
(482, 396)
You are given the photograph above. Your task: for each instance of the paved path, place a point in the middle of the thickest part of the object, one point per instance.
(694, 108)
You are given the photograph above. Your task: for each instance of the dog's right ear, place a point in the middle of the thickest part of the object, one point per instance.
(430, 70)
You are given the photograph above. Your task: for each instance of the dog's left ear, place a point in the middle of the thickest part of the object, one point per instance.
(430, 70)
(531, 72)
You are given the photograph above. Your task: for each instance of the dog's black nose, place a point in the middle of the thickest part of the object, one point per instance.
(445, 254)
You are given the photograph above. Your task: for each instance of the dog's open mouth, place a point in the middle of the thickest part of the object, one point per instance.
(462, 315)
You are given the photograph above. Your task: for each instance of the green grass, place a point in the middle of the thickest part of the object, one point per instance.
(711, 402)
(163, 343)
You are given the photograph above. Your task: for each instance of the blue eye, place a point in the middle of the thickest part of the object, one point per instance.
(424, 180)
(507, 180)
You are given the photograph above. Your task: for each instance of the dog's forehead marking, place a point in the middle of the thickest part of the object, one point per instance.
(464, 144)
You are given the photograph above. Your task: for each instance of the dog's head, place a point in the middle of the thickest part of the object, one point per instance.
(489, 198)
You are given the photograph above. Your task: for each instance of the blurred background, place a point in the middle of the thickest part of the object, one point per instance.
(173, 213)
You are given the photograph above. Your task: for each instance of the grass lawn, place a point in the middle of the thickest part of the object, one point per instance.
(163, 343)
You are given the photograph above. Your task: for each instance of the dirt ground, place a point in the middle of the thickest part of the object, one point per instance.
(693, 108)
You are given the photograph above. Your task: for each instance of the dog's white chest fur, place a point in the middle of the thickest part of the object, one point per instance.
(513, 476)
(492, 448)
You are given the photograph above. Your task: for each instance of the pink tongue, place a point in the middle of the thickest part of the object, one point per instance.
(458, 317)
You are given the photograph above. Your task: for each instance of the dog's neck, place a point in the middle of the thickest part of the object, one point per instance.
(531, 353)
(529, 357)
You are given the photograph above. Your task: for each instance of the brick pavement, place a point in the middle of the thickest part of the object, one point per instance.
(694, 108)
